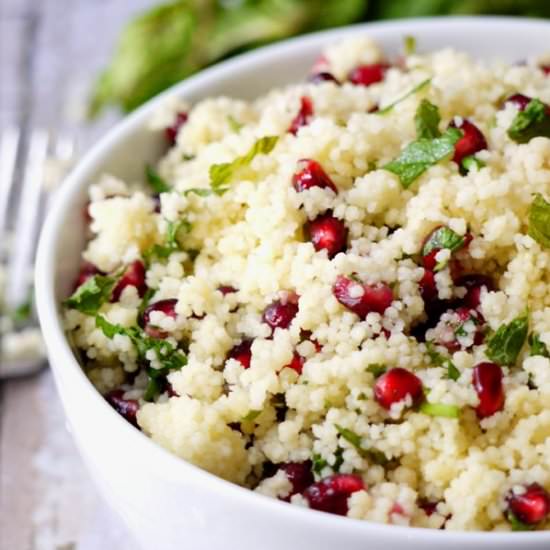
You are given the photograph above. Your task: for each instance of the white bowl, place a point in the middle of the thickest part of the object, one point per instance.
(167, 503)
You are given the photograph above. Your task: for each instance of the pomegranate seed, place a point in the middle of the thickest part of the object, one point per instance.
(323, 76)
(429, 248)
(134, 275)
(157, 203)
(331, 494)
(377, 297)
(297, 363)
(127, 408)
(328, 233)
(530, 507)
(168, 307)
(487, 380)
(545, 69)
(242, 353)
(474, 284)
(365, 75)
(280, 314)
(227, 289)
(428, 507)
(428, 287)
(171, 132)
(395, 385)
(471, 142)
(429, 260)
(87, 270)
(519, 101)
(304, 116)
(171, 391)
(311, 174)
(299, 474)
(460, 329)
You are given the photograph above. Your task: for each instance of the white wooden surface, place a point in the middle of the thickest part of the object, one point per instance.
(49, 52)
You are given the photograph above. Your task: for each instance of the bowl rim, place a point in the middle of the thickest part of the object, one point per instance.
(49, 309)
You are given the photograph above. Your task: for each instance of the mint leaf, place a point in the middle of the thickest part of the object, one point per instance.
(419, 155)
(318, 464)
(440, 360)
(374, 455)
(163, 251)
(506, 343)
(439, 409)
(443, 237)
(517, 524)
(200, 191)
(376, 369)
(427, 120)
(537, 346)
(470, 162)
(539, 221)
(222, 174)
(349, 436)
(91, 294)
(110, 330)
(234, 124)
(252, 415)
(532, 122)
(157, 183)
(411, 92)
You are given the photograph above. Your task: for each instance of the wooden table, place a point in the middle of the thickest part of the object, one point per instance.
(50, 50)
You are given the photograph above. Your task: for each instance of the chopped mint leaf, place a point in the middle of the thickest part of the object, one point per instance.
(427, 120)
(200, 191)
(349, 436)
(537, 346)
(149, 293)
(409, 45)
(471, 162)
(187, 156)
(532, 122)
(539, 220)
(92, 294)
(517, 524)
(153, 389)
(163, 251)
(234, 124)
(443, 237)
(222, 174)
(440, 409)
(440, 360)
(411, 92)
(252, 415)
(376, 369)
(318, 464)
(157, 183)
(374, 455)
(338, 459)
(419, 155)
(505, 344)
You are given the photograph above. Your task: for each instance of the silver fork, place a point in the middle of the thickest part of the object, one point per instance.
(24, 200)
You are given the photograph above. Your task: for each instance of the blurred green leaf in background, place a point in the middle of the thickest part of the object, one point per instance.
(176, 39)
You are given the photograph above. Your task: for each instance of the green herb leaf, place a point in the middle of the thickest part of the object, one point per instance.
(537, 346)
(532, 122)
(252, 415)
(222, 174)
(318, 464)
(349, 436)
(373, 455)
(409, 45)
(149, 293)
(157, 183)
(376, 369)
(410, 93)
(163, 251)
(471, 162)
(200, 191)
(443, 237)
(439, 409)
(153, 390)
(539, 221)
(234, 124)
(440, 360)
(419, 155)
(505, 344)
(427, 120)
(92, 294)
(517, 524)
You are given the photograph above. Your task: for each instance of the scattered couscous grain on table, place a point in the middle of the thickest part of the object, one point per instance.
(338, 295)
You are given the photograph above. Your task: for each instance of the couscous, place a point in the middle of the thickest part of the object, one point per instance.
(338, 295)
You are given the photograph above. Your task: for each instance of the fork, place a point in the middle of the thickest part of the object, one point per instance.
(24, 200)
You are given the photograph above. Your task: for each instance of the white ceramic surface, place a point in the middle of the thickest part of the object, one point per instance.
(167, 503)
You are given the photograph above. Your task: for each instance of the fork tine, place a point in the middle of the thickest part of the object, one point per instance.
(9, 144)
(27, 221)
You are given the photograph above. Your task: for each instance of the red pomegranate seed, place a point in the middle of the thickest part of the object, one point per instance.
(304, 116)
(395, 385)
(331, 494)
(428, 287)
(530, 507)
(242, 353)
(487, 380)
(365, 75)
(279, 314)
(227, 289)
(471, 142)
(452, 330)
(545, 69)
(127, 408)
(168, 307)
(323, 76)
(328, 233)
(429, 260)
(171, 391)
(134, 275)
(297, 363)
(87, 270)
(474, 284)
(171, 132)
(299, 474)
(520, 101)
(311, 174)
(377, 297)
(428, 507)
